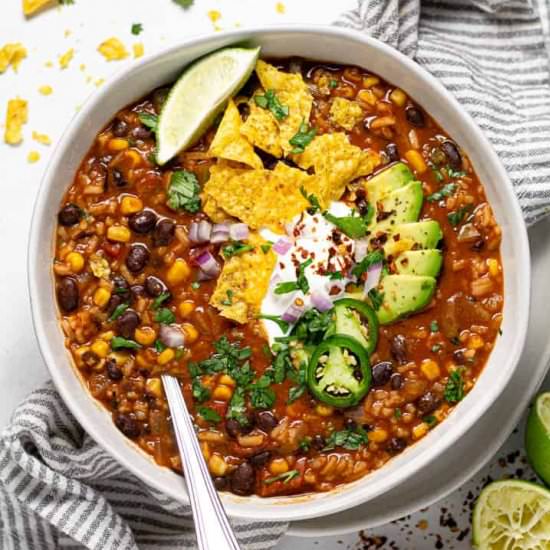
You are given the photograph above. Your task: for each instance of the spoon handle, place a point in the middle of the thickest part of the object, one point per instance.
(211, 523)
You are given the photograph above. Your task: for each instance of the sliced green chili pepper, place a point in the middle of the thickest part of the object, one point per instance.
(357, 319)
(339, 372)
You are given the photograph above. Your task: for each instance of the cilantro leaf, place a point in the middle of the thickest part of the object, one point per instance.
(118, 311)
(160, 299)
(159, 346)
(137, 28)
(335, 275)
(271, 102)
(262, 395)
(284, 477)
(454, 390)
(229, 300)
(333, 83)
(376, 298)
(347, 439)
(210, 415)
(456, 217)
(118, 342)
(434, 326)
(149, 120)
(237, 407)
(183, 191)
(200, 393)
(164, 316)
(185, 4)
(312, 199)
(455, 173)
(283, 325)
(234, 248)
(301, 282)
(445, 191)
(302, 138)
(266, 247)
(371, 258)
(353, 226)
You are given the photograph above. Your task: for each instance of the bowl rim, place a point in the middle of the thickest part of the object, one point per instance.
(244, 506)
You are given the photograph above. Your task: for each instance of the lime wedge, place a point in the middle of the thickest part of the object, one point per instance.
(537, 437)
(512, 515)
(199, 95)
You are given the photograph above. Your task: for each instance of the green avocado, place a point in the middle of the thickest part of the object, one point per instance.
(419, 262)
(388, 180)
(425, 234)
(404, 295)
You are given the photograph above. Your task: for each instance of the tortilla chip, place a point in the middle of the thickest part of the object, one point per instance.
(228, 143)
(12, 54)
(336, 162)
(345, 113)
(261, 130)
(243, 282)
(292, 91)
(260, 198)
(30, 7)
(16, 116)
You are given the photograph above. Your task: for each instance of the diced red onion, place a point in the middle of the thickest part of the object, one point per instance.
(220, 233)
(321, 300)
(292, 313)
(199, 232)
(361, 249)
(194, 232)
(373, 276)
(238, 231)
(282, 246)
(209, 267)
(171, 336)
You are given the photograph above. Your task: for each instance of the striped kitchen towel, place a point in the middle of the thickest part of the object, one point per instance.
(58, 489)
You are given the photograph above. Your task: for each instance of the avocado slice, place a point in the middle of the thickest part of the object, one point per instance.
(348, 322)
(419, 262)
(425, 234)
(403, 295)
(388, 180)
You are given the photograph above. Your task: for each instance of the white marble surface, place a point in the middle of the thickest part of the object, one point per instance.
(82, 27)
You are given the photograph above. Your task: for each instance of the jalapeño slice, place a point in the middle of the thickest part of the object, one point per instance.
(357, 319)
(339, 372)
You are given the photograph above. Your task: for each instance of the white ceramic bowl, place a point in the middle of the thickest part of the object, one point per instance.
(321, 43)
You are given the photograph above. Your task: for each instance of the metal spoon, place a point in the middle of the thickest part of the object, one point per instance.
(211, 523)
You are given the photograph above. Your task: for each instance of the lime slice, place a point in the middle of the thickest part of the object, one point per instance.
(537, 437)
(512, 515)
(199, 95)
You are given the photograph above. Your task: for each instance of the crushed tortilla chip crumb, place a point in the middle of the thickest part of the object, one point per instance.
(33, 156)
(345, 113)
(30, 7)
(243, 282)
(82, 67)
(44, 139)
(16, 116)
(112, 49)
(99, 82)
(48, 64)
(138, 49)
(67, 33)
(45, 90)
(66, 58)
(229, 144)
(214, 15)
(280, 7)
(12, 54)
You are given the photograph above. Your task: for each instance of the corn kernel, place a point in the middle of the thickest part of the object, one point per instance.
(130, 205)
(102, 296)
(100, 348)
(186, 308)
(226, 380)
(205, 448)
(79, 352)
(416, 161)
(324, 410)
(420, 430)
(154, 387)
(76, 261)
(494, 267)
(178, 272)
(378, 435)
(217, 465)
(133, 158)
(166, 356)
(222, 393)
(119, 357)
(475, 341)
(142, 361)
(370, 81)
(118, 233)
(367, 96)
(107, 335)
(399, 97)
(118, 144)
(145, 335)
(191, 333)
(430, 369)
(278, 466)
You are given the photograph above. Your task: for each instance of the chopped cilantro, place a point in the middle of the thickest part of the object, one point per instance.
(137, 28)
(455, 173)
(210, 415)
(261, 395)
(312, 326)
(438, 175)
(160, 299)
(454, 390)
(312, 199)
(234, 248)
(431, 420)
(271, 102)
(355, 227)
(301, 282)
(434, 326)
(333, 83)
(159, 346)
(200, 393)
(266, 247)
(164, 316)
(284, 477)
(445, 191)
(370, 259)
(237, 407)
(296, 392)
(335, 275)
(376, 298)
(118, 311)
(302, 138)
(397, 412)
(283, 325)
(179, 353)
(120, 290)
(149, 120)
(183, 191)
(455, 341)
(229, 300)
(195, 285)
(347, 439)
(456, 217)
(118, 342)
(185, 4)
(305, 444)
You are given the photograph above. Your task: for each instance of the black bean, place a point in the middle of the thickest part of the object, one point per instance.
(318, 442)
(69, 215)
(243, 479)
(90, 359)
(114, 372)
(154, 286)
(142, 222)
(478, 245)
(381, 373)
(128, 426)
(68, 294)
(137, 258)
(114, 301)
(453, 154)
(233, 428)
(137, 291)
(266, 421)
(350, 424)
(220, 483)
(396, 445)
(392, 152)
(396, 381)
(120, 128)
(117, 178)
(458, 356)
(427, 403)
(261, 458)
(415, 116)
(398, 348)
(141, 133)
(164, 232)
(121, 284)
(127, 323)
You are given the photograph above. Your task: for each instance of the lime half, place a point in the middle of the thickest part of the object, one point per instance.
(537, 437)
(512, 515)
(199, 95)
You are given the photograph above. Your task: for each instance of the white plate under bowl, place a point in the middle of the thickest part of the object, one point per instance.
(468, 455)
(323, 43)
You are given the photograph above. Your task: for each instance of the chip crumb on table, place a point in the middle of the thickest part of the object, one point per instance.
(113, 49)
(16, 116)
